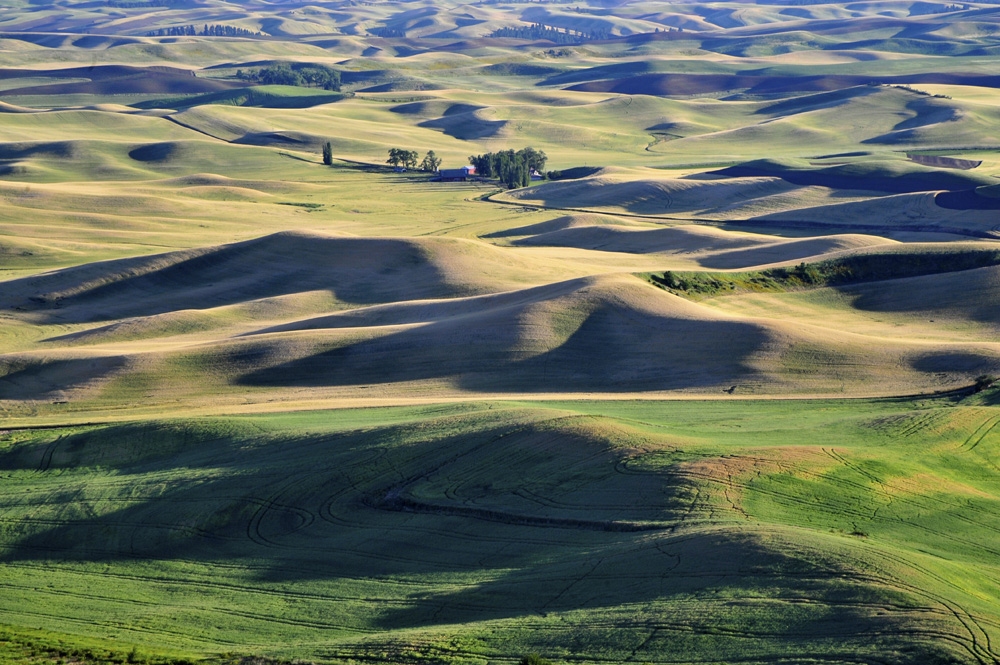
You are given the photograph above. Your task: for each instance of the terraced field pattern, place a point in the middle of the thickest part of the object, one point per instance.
(717, 387)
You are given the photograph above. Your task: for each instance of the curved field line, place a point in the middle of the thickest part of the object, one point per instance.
(981, 432)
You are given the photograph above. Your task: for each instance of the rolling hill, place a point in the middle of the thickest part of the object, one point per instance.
(717, 386)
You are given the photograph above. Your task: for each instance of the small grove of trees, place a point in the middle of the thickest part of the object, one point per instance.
(401, 157)
(141, 4)
(397, 157)
(408, 159)
(385, 31)
(512, 168)
(215, 30)
(983, 381)
(539, 31)
(300, 74)
(431, 162)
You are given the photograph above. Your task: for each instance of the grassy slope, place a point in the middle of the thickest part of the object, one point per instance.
(753, 532)
(254, 333)
(855, 531)
(215, 328)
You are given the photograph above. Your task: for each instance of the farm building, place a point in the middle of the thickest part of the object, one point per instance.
(457, 175)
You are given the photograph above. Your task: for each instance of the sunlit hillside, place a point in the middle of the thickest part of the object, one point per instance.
(697, 366)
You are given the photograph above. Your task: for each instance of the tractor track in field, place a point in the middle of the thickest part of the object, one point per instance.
(393, 499)
(88, 623)
(980, 433)
(215, 565)
(884, 488)
(120, 600)
(847, 509)
(400, 504)
(196, 584)
(46, 461)
(285, 506)
(97, 522)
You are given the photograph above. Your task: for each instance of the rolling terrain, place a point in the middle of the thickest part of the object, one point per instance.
(718, 386)
(475, 533)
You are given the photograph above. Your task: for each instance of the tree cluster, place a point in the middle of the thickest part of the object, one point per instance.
(215, 30)
(408, 159)
(512, 168)
(141, 4)
(539, 31)
(431, 162)
(299, 74)
(402, 157)
(385, 31)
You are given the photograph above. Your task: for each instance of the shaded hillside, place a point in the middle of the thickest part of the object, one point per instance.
(117, 80)
(354, 270)
(362, 529)
(891, 177)
(699, 84)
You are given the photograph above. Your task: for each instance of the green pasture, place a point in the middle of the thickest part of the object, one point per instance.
(726, 531)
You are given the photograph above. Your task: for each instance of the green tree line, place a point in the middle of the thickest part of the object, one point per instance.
(385, 31)
(408, 159)
(300, 74)
(541, 31)
(512, 168)
(215, 30)
(141, 4)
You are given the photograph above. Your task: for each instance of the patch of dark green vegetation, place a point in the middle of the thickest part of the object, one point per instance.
(574, 173)
(519, 69)
(844, 271)
(513, 169)
(984, 381)
(217, 30)
(387, 32)
(141, 4)
(297, 74)
(539, 31)
(309, 206)
(919, 92)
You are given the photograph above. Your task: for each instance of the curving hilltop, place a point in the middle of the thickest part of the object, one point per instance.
(715, 385)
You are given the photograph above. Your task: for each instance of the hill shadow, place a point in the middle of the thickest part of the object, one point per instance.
(485, 353)
(285, 512)
(357, 270)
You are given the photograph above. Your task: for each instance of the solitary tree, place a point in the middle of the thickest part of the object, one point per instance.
(328, 154)
(431, 162)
